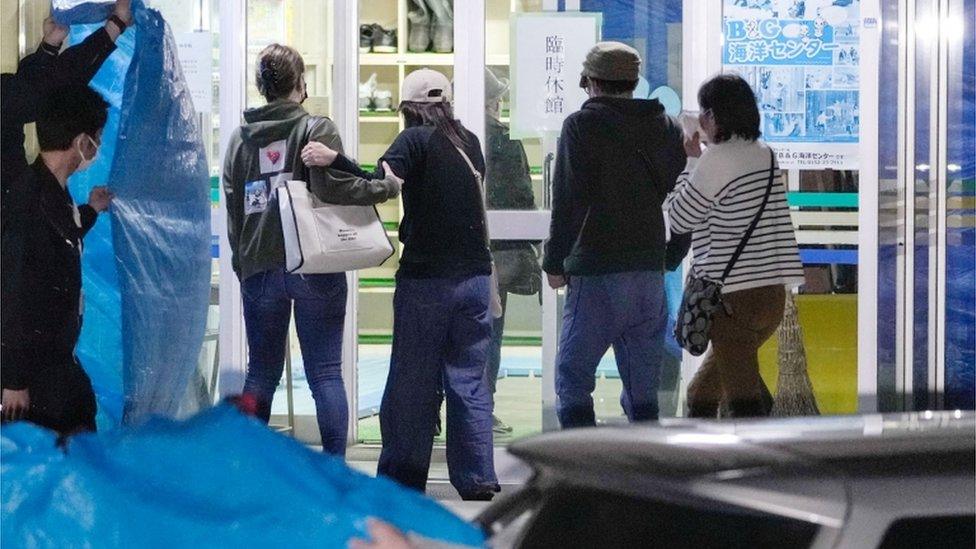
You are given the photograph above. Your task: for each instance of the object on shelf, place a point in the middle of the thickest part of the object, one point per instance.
(384, 40)
(442, 25)
(366, 91)
(418, 39)
(365, 38)
(431, 26)
(383, 100)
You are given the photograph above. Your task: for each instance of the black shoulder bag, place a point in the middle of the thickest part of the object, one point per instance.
(702, 296)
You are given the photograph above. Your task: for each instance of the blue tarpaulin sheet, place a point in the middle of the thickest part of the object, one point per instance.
(146, 271)
(218, 479)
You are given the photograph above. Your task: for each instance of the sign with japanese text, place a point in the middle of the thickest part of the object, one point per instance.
(548, 50)
(196, 59)
(801, 58)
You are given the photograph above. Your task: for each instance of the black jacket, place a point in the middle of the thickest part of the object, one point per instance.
(40, 283)
(617, 161)
(443, 225)
(37, 75)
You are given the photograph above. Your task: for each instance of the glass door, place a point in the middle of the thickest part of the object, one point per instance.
(307, 26)
(926, 355)
(396, 37)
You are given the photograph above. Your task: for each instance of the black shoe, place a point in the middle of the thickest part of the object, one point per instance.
(482, 495)
(365, 38)
(384, 41)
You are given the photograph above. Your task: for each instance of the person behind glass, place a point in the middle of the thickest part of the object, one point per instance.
(260, 157)
(49, 68)
(717, 197)
(508, 185)
(618, 158)
(41, 276)
(441, 317)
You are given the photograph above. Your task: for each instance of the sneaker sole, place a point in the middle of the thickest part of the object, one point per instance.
(365, 50)
(384, 49)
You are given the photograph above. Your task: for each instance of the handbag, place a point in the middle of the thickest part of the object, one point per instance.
(327, 238)
(494, 299)
(703, 296)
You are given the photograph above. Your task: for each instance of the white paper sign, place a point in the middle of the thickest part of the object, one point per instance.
(548, 51)
(196, 58)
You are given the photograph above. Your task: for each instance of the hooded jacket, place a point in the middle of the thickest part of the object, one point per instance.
(260, 157)
(617, 161)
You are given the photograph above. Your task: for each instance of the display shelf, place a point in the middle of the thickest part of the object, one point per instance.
(393, 59)
(497, 60)
(374, 117)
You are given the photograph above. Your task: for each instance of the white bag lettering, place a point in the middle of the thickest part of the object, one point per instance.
(328, 238)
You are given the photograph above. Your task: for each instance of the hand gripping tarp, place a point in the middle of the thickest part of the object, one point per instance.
(147, 273)
(218, 479)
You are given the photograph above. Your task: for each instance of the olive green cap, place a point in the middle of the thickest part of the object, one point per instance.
(612, 61)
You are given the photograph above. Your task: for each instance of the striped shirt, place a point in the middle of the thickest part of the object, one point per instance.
(716, 198)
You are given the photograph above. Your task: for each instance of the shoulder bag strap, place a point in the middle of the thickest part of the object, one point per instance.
(755, 220)
(481, 188)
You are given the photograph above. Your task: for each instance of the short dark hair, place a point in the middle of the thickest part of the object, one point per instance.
(279, 71)
(611, 87)
(68, 112)
(733, 106)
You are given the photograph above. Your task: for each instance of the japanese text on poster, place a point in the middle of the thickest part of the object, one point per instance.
(548, 52)
(801, 57)
(196, 59)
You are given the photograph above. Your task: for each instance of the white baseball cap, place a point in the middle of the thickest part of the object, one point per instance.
(426, 86)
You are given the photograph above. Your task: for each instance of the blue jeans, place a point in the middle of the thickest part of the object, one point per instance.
(320, 310)
(441, 332)
(627, 311)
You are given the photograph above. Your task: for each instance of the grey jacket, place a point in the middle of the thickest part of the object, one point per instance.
(259, 157)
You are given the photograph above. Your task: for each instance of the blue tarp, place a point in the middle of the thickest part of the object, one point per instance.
(217, 480)
(146, 273)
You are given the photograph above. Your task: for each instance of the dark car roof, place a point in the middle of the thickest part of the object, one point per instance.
(863, 444)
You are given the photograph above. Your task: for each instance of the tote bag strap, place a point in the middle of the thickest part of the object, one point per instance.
(299, 171)
(755, 220)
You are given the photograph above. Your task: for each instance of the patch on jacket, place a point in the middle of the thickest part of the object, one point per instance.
(272, 157)
(255, 197)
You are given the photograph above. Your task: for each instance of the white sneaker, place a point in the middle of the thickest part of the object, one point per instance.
(366, 91)
(383, 100)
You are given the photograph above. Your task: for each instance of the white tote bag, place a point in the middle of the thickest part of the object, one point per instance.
(328, 238)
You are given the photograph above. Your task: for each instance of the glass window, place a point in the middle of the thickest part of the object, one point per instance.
(397, 37)
(307, 26)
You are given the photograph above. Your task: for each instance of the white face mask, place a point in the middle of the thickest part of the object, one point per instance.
(86, 162)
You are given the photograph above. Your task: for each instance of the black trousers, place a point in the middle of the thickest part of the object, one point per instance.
(61, 395)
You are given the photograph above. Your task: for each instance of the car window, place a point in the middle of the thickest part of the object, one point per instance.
(581, 517)
(943, 532)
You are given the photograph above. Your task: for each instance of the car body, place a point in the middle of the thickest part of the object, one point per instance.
(896, 480)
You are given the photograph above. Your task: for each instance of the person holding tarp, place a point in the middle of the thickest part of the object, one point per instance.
(42, 379)
(46, 69)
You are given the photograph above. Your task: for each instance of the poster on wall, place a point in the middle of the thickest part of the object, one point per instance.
(196, 59)
(548, 50)
(801, 57)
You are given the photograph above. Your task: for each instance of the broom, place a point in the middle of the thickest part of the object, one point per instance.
(794, 394)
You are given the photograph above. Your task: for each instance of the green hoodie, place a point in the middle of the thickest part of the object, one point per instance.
(259, 157)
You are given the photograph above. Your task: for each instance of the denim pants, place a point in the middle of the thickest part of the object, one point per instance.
(320, 310)
(495, 347)
(441, 333)
(627, 311)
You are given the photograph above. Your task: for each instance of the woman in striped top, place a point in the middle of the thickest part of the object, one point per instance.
(717, 198)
